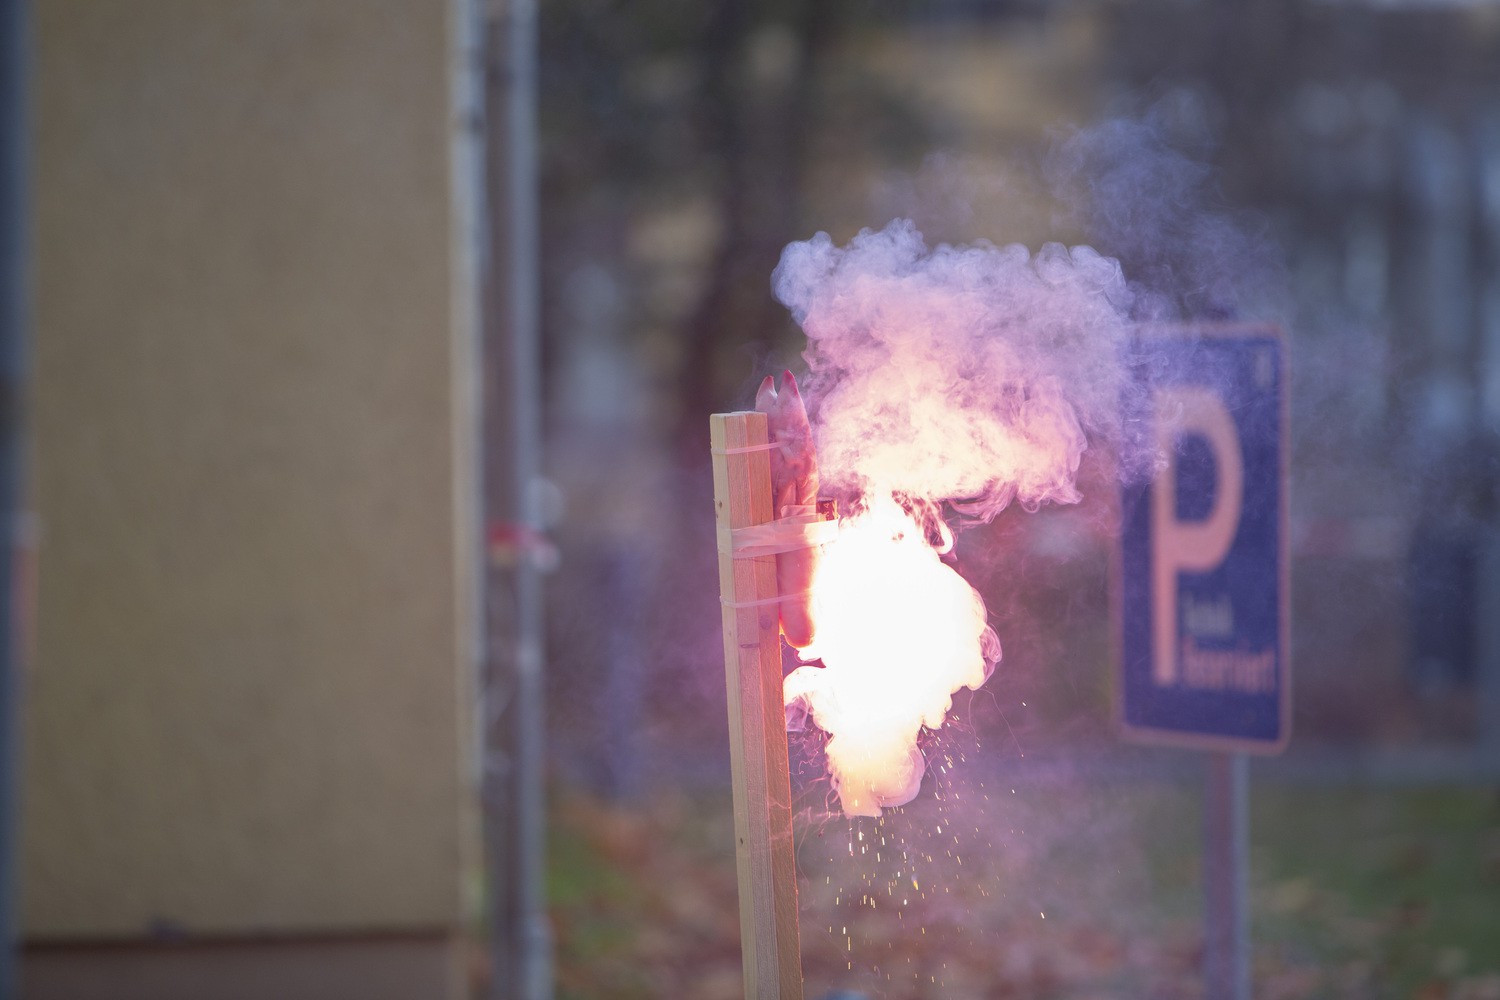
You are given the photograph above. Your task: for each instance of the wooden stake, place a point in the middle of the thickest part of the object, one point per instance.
(764, 851)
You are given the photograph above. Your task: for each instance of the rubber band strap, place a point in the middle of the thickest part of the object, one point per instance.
(745, 449)
(799, 527)
(784, 535)
(763, 601)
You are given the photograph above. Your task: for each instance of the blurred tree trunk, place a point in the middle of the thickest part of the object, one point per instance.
(760, 137)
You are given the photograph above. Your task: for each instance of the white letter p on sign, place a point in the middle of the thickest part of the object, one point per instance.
(1198, 545)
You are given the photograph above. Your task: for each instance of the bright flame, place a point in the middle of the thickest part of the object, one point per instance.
(899, 631)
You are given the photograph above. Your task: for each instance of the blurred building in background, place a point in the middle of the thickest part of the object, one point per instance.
(249, 759)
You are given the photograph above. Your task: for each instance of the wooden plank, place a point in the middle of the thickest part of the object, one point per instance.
(764, 849)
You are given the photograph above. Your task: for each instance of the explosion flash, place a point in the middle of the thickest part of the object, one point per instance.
(898, 632)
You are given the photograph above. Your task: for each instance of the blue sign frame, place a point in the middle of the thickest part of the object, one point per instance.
(1201, 575)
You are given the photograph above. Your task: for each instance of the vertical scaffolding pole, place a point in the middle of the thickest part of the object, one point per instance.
(1487, 644)
(14, 67)
(514, 703)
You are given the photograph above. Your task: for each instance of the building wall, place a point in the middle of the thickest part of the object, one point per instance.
(247, 708)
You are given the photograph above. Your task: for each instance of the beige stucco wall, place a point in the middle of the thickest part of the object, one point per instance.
(246, 708)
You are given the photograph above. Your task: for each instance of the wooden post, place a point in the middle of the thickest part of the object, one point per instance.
(764, 851)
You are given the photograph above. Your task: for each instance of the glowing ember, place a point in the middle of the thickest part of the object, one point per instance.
(899, 631)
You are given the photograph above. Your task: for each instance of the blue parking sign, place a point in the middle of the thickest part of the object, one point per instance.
(1201, 595)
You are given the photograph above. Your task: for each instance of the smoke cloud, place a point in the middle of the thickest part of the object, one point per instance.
(974, 375)
(1142, 191)
(965, 378)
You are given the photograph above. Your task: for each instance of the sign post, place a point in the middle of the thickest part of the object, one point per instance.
(1226, 866)
(1202, 595)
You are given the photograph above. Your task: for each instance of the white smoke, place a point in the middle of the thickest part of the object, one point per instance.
(971, 374)
(969, 377)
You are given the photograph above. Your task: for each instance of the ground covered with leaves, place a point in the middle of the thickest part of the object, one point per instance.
(1066, 889)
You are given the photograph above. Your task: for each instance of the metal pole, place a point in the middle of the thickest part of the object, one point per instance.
(1226, 931)
(14, 67)
(1487, 667)
(1487, 645)
(514, 707)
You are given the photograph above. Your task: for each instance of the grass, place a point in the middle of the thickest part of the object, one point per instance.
(1397, 887)
(1047, 890)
